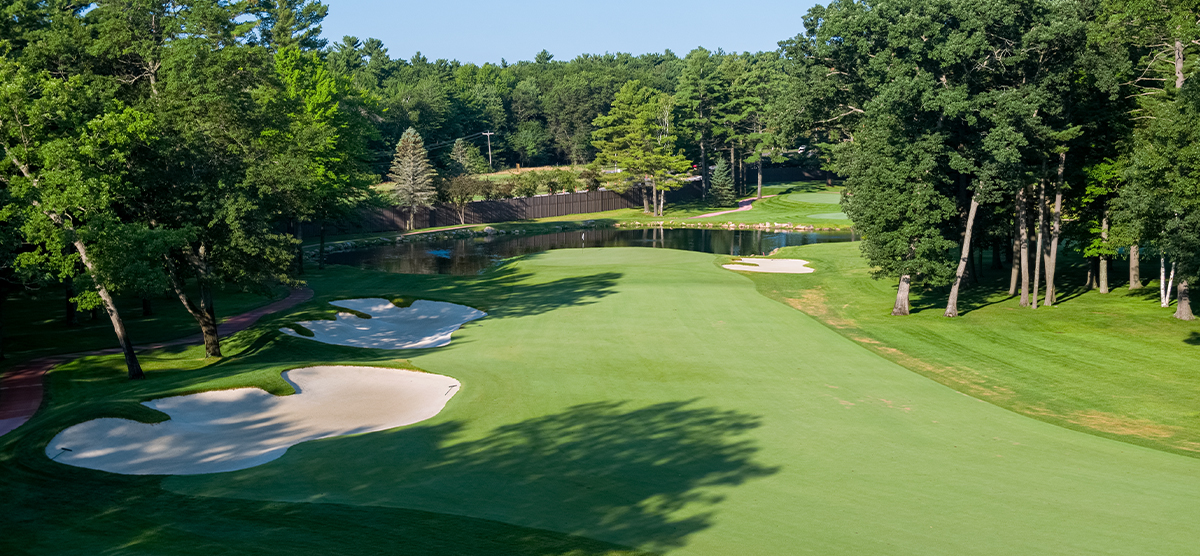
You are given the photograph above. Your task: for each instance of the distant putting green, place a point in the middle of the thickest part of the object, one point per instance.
(815, 198)
(651, 399)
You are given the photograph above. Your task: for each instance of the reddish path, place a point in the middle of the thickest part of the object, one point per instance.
(21, 387)
(744, 204)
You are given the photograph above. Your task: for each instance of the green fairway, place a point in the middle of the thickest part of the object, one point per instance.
(651, 399)
(1112, 364)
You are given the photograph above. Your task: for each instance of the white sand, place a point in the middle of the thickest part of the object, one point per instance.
(226, 430)
(425, 324)
(778, 266)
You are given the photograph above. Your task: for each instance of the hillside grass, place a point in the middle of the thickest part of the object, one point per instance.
(1116, 365)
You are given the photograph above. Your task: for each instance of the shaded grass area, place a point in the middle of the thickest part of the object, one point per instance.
(1115, 365)
(35, 322)
(49, 508)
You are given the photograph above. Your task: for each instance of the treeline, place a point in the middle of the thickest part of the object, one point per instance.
(158, 146)
(543, 112)
(155, 146)
(1035, 126)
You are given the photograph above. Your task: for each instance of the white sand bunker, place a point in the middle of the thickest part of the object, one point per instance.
(426, 324)
(778, 266)
(226, 430)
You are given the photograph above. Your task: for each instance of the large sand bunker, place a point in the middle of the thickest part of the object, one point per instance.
(226, 430)
(777, 266)
(425, 324)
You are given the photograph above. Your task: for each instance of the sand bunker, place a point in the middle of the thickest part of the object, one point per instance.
(425, 324)
(778, 266)
(227, 430)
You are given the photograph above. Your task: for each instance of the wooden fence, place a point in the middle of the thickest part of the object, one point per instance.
(393, 219)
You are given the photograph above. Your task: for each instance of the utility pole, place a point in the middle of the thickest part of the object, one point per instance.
(489, 135)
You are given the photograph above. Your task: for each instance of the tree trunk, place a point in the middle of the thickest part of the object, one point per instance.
(131, 361)
(321, 249)
(952, 303)
(733, 171)
(1039, 253)
(902, 307)
(998, 254)
(1023, 228)
(1014, 264)
(1055, 232)
(1135, 268)
(147, 307)
(646, 199)
(703, 169)
(1091, 273)
(760, 169)
(72, 315)
(1104, 258)
(462, 215)
(1162, 280)
(205, 315)
(208, 327)
(1170, 286)
(1183, 309)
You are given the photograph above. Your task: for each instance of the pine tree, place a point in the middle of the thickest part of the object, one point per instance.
(722, 185)
(412, 175)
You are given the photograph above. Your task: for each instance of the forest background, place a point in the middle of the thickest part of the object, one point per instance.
(207, 132)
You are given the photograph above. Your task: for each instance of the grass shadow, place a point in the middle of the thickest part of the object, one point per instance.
(635, 476)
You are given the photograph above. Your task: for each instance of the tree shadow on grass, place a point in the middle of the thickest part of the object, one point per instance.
(1193, 340)
(642, 477)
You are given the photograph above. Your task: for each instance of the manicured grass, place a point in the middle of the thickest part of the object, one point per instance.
(49, 508)
(642, 397)
(1116, 365)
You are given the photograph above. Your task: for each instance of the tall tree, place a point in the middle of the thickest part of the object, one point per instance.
(412, 175)
(66, 148)
(635, 137)
(699, 95)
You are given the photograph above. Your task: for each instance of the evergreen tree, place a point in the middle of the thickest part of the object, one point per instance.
(722, 185)
(635, 137)
(286, 23)
(412, 174)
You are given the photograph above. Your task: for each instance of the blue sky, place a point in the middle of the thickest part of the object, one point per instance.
(486, 31)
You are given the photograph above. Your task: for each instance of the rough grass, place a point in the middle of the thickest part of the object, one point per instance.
(634, 396)
(1116, 365)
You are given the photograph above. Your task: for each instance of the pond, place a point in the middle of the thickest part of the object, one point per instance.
(467, 256)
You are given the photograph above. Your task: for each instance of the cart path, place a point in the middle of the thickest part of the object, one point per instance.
(21, 387)
(744, 204)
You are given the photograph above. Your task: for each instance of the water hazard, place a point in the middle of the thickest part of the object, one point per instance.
(467, 256)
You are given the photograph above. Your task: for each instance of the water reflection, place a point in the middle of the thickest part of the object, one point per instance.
(468, 256)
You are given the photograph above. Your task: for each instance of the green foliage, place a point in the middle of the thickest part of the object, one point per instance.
(412, 175)
(722, 185)
(635, 137)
